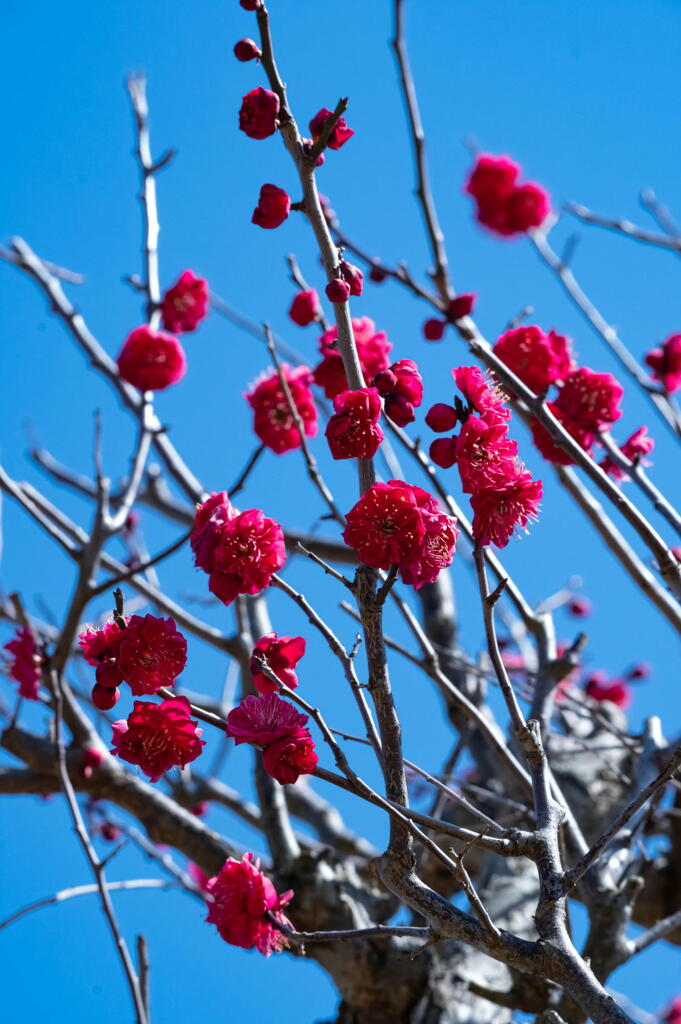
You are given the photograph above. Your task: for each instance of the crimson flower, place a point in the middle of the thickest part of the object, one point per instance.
(538, 359)
(372, 351)
(282, 654)
(242, 897)
(498, 511)
(635, 448)
(401, 385)
(274, 206)
(263, 720)
(485, 455)
(258, 114)
(439, 543)
(385, 526)
(353, 431)
(482, 395)
(551, 451)
(100, 644)
(461, 306)
(273, 421)
(249, 549)
(184, 306)
(158, 737)
(210, 517)
(151, 653)
(503, 205)
(590, 399)
(600, 688)
(151, 360)
(24, 667)
(665, 362)
(290, 757)
(340, 133)
(305, 308)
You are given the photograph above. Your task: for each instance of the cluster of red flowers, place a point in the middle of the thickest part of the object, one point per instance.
(273, 420)
(665, 362)
(400, 524)
(158, 737)
(240, 551)
(153, 360)
(243, 904)
(372, 351)
(282, 654)
(275, 727)
(503, 205)
(147, 654)
(25, 665)
(503, 494)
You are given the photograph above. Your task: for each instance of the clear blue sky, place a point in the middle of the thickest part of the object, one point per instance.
(584, 95)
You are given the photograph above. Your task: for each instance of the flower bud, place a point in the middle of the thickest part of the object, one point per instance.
(274, 206)
(434, 329)
(399, 410)
(104, 697)
(441, 418)
(385, 381)
(377, 275)
(108, 673)
(461, 306)
(353, 276)
(443, 452)
(305, 309)
(337, 291)
(246, 49)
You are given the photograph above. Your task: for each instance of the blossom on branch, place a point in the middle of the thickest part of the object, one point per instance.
(242, 899)
(151, 360)
(274, 206)
(538, 359)
(293, 755)
(372, 351)
(635, 448)
(305, 308)
(353, 432)
(504, 206)
(273, 420)
(339, 134)
(185, 305)
(263, 720)
(665, 362)
(590, 399)
(158, 737)
(499, 511)
(282, 654)
(401, 386)
(151, 653)
(258, 116)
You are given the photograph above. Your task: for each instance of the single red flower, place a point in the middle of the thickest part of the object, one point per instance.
(353, 432)
(340, 133)
(282, 654)
(527, 207)
(151, 653)
(100, 644)
(461, 306)
(273, 421)
(665, 362)
(242, 897)
(151, 360)
(617, 691)
(498, 511)
(157, 737)
(538, 359)
(185, 305)
(551, 451)
(274, 206)
(263, 720)
(438, 546)
(290, 757)
(591, 399)
(485, 455)
(372, 350)
(258, 115)
(246, 49)
(25, 665)
(385, 526)
(305, 308)
(481, 394)
(249, 550)
(492, 178)
(635, 448)
(441, 418)
(210, 517)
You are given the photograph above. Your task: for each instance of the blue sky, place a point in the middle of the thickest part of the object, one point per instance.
(583, 95)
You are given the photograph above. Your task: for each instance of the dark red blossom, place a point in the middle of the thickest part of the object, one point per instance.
(503, 205)
(402, 388)
(290, 757)
(353, 432)
(305, 308)
(635, 448)
(499, 511)
(241, 900)
(551, 451)
(385, 526)
(25, 663)
(665, 362)
(481, 394)
(337, 290)
(461, 306)
(274, 206)
(100, 644)
(273, 420)
(246, 49)
(441, 418)
(438, 546)
(591, 399)
(485, 455)
(158, 737)
(209, 520)
(282, 654)
(538, 359)
(339, 134)
(258, 115)
(105, 697)
(443, 452)
(151, 653)
(249, 550)
(353, 277)
(434, 329)
(372, 350)
(600, 688)
(185, 305)
(151, 360)
(108, 673)
(263, 720)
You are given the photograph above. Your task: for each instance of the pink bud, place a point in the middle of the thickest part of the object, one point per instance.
(385, 381)
(399, 410)
(307, 146)
(104, 698)
(201, 809)
(108, 673)
(434, 329)
(353, 276)
(443, 452)
(92, 758)
(305, 309)
(337, 291)
(245, 50)
(462, 305)
(377, 275)
(441, 418)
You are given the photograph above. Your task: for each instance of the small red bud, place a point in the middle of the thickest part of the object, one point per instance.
(201, 810)
(251, 5)
(641, 670)
(441, 418)
(246, 49)
(108, 673)
(443, 452)
(399, 410)
(385, 381)
(434, 329)
(353, 276)
(104, 698)
(337, 291)
(110, 832)
(377, 275)
(461, 306)
(580, 607)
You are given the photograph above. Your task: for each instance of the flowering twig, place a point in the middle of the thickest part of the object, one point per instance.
(635, 470)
